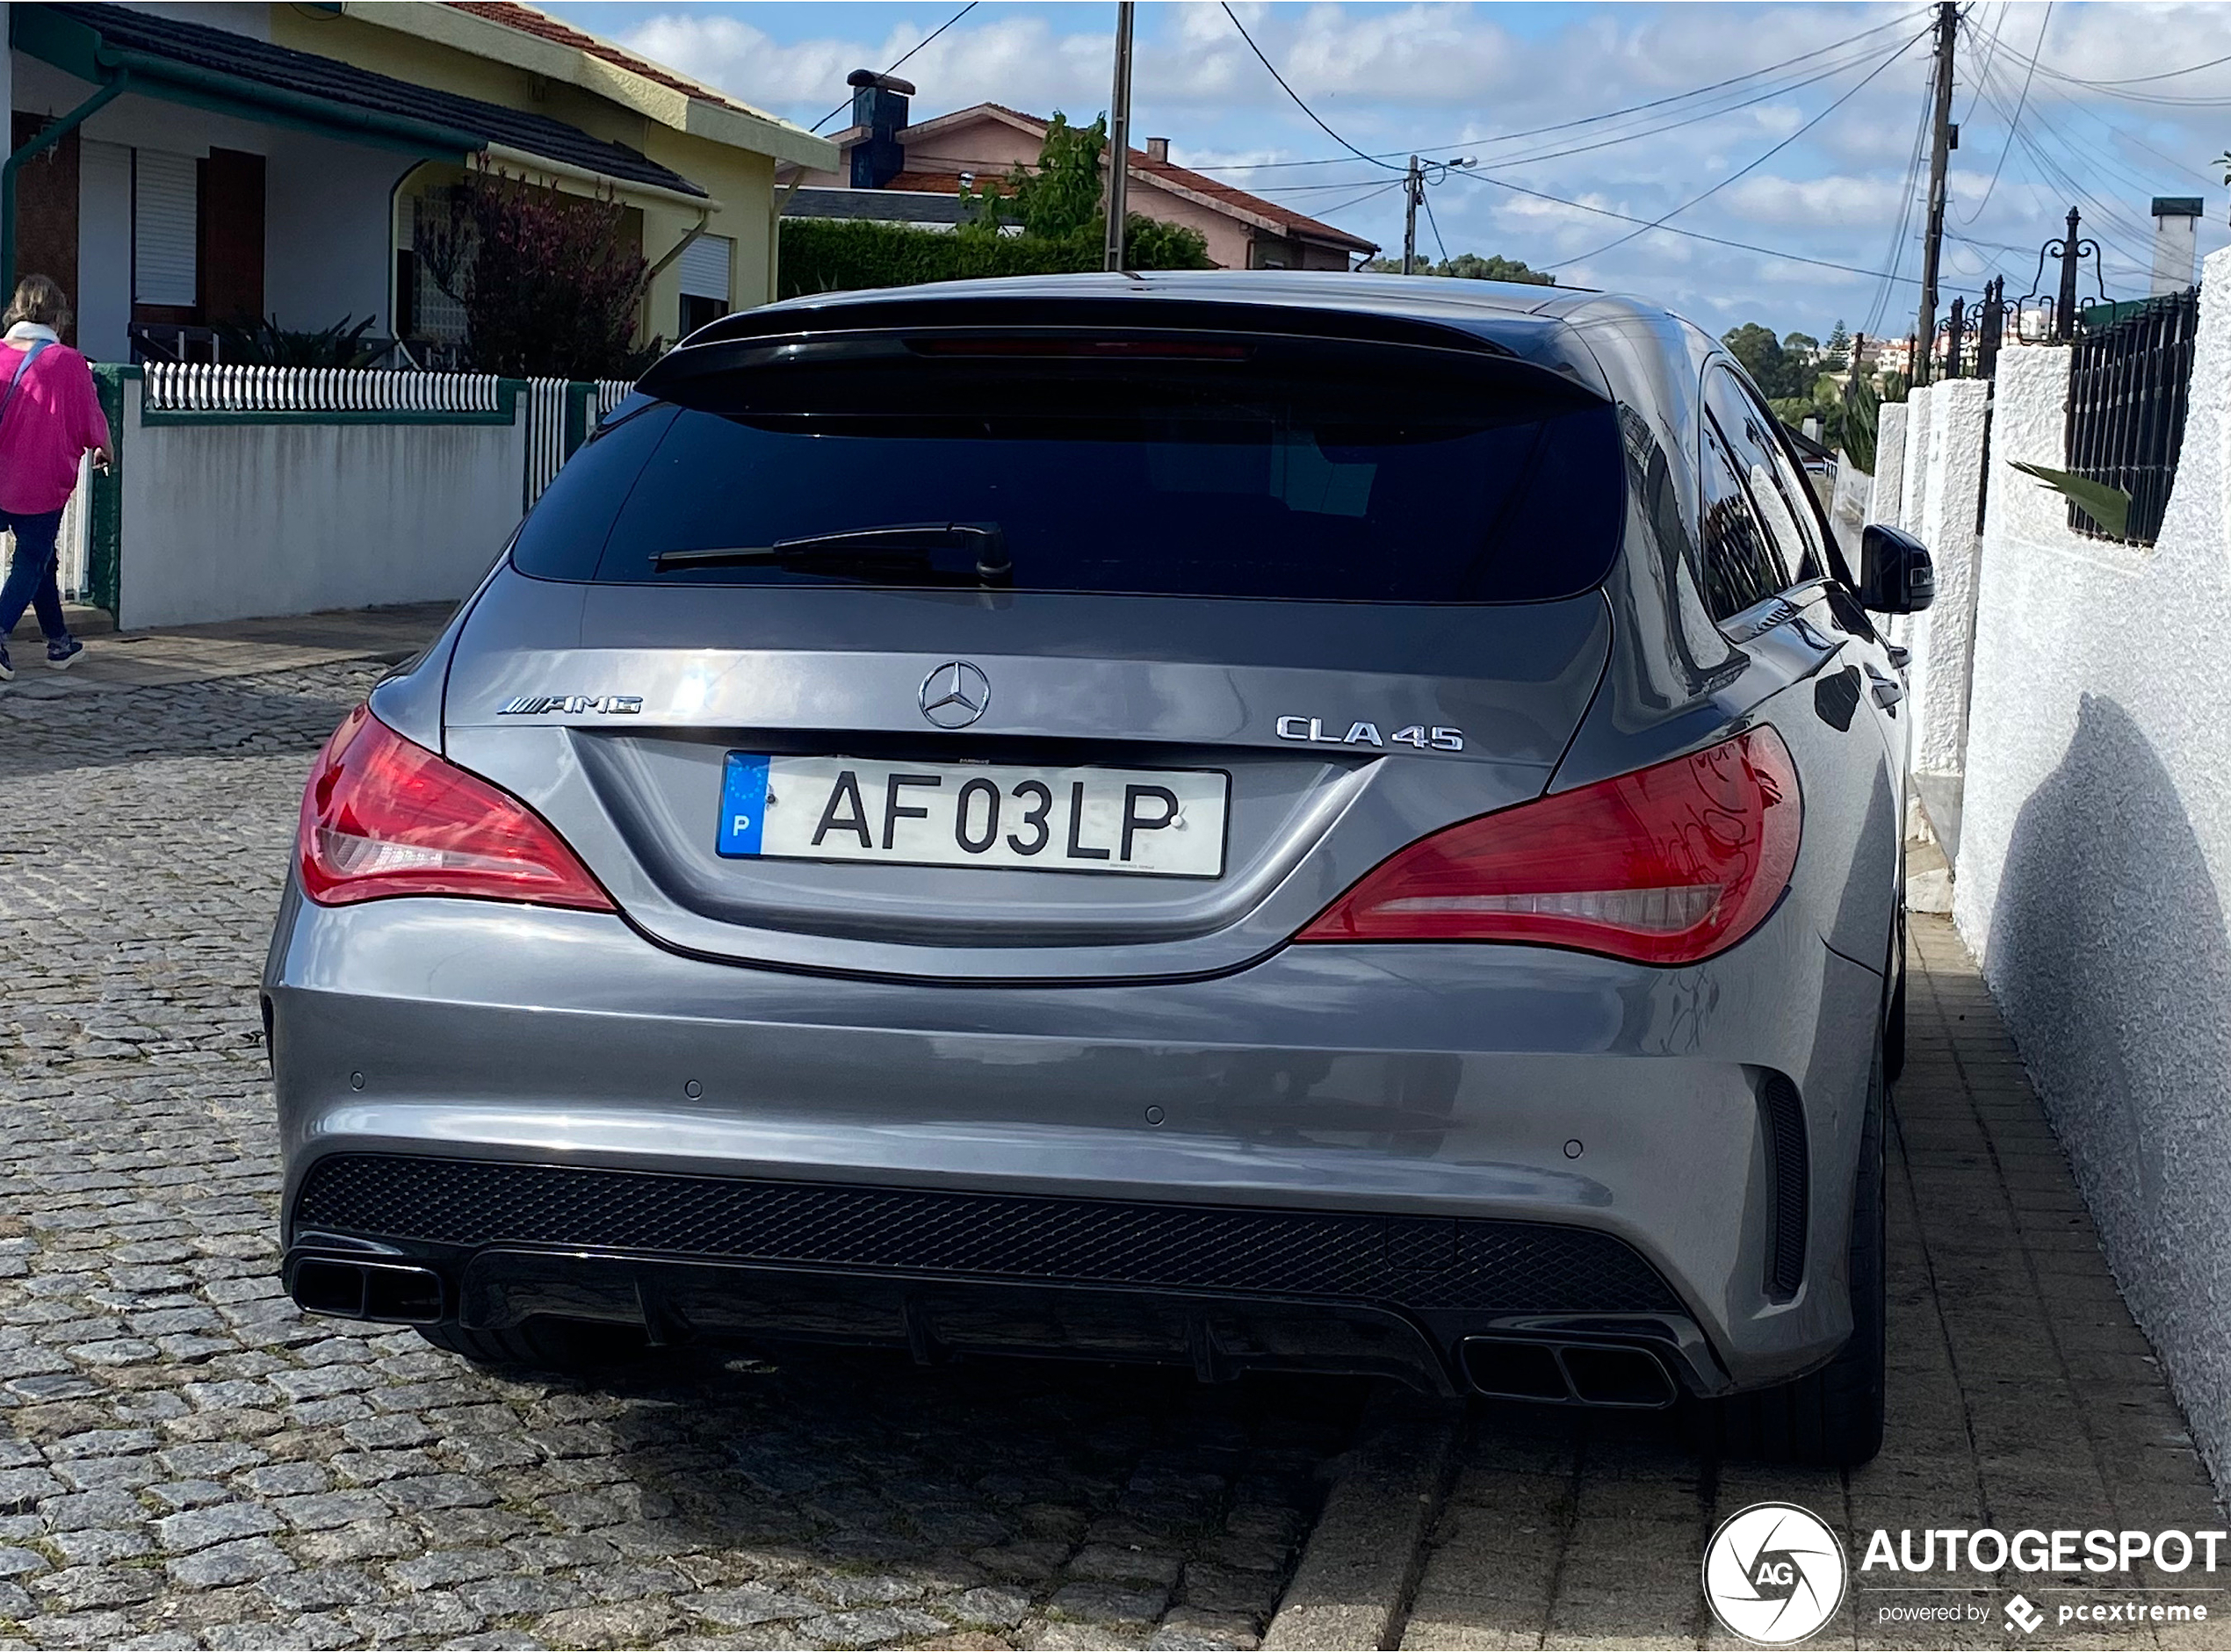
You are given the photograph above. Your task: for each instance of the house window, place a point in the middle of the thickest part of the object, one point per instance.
(434, 314)
(163, 221)
(704, 267)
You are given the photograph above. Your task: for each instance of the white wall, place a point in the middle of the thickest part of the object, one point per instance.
(104, 249)
(1950, 462)
(328, 204)
(232, 520)
(1887, 500)
(2096, 847)
(328, 213)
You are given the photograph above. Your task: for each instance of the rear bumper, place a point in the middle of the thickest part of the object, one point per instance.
(1386, 1116)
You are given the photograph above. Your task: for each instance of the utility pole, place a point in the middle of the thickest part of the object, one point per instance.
(1413, 192)
(1940, 147)
(1119, 140)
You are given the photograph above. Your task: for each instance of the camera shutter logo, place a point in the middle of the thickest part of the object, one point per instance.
(1774, 1573)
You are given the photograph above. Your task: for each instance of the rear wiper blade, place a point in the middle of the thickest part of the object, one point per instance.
(909, 541)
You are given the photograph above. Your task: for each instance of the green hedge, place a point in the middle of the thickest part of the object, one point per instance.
(822, 255)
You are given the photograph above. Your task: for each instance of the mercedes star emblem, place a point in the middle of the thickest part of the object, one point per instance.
(955, 695)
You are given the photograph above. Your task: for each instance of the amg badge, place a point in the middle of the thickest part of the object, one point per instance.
(573, 704)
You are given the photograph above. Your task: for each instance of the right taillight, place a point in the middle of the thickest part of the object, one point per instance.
(1667, 865)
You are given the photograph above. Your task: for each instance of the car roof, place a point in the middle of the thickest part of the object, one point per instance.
(1448, 300)
(1537, 323)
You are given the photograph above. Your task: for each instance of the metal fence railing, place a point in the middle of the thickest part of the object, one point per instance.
(202, 387)
(546, 443)
(560, 413)
(2128, 388)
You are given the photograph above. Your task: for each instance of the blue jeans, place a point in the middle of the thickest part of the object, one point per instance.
(31, 576)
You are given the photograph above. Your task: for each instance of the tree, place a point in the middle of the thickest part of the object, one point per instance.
(1803, 345)
(1469, 266)
(1060, 201)
(1835, 355)
(549, 286)
(1775, 371)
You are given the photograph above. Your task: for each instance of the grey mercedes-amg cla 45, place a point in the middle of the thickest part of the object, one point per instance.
(1262, 822)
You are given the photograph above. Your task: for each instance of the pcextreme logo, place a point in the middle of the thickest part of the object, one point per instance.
(1774, 1573)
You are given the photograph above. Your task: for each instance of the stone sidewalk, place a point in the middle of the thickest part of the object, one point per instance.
(2021, 1395)
(117, 659)
(185, 1462)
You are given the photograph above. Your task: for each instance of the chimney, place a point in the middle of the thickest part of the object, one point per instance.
(1159, 149)
(2176, 220)
(880, 105)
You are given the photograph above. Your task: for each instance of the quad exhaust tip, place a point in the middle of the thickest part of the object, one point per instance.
(1568, 1373)
(393, 1292)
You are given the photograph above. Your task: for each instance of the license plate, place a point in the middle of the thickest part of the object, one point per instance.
(1154, 822)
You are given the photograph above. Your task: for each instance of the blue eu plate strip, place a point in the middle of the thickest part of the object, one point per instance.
(743, 802)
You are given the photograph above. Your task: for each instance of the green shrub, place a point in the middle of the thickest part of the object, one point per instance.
(820, 256)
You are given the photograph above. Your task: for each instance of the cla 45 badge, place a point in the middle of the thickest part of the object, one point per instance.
(1315, 731)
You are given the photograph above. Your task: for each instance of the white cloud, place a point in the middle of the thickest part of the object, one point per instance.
(1764, 199)
(1430, 75)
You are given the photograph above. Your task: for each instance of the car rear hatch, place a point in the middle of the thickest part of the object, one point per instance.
(955, 650)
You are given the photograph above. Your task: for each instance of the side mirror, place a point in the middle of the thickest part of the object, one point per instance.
(1895, 573)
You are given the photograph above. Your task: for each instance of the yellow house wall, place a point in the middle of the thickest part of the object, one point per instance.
(741, 181)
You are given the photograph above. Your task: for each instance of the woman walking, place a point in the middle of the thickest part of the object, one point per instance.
(49, 419)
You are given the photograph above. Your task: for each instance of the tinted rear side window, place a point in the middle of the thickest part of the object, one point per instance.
(1188, 482)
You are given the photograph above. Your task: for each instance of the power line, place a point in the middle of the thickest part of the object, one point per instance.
(1371, 194)
(2013, 120)
(1898, 249)
(1539, 155)
(1674, 229)
(1434, 224)
(1609, 114)
(1296, 95)
(2054, 173)
(1904, 47)
(903, 56)
(2108, 86)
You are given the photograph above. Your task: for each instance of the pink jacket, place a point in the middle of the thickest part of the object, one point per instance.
(55, 419)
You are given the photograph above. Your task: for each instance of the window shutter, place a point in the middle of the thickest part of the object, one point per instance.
(162, 228)
(704, 264)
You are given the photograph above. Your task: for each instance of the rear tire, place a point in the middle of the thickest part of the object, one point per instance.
(568, 1346)
(1833, 1417)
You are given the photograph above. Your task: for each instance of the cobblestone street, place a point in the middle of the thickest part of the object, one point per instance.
(185, 1460)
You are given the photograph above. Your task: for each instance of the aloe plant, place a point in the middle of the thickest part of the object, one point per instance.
(2109, 507)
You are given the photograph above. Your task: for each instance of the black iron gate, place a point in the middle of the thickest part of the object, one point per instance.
(2128, 387)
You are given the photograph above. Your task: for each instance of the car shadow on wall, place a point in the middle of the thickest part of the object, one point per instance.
(2109, 957)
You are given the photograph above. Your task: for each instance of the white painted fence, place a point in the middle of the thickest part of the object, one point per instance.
(248, 490)
(199, 388)
(546, 416)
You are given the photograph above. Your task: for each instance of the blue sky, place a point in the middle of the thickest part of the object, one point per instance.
(1450, 80)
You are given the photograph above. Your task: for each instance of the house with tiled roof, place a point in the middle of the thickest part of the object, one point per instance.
(184, 166)
(919, 163)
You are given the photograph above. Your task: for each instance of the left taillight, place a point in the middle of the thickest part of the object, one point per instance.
(383, 815)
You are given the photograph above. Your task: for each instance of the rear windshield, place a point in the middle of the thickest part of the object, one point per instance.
(1197, 481)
